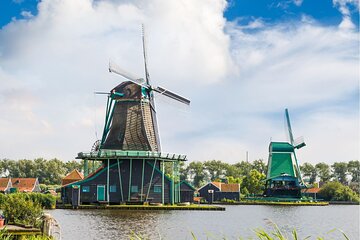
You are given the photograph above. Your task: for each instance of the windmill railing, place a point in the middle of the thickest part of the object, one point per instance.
(119, 154)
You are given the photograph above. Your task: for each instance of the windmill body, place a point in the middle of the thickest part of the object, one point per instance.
(132, 124)
(132, 166)
(283, 178)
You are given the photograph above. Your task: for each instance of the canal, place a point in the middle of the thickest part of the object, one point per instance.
(235, 222)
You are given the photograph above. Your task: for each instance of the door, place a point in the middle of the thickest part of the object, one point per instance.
(75, 200)
(101, 192)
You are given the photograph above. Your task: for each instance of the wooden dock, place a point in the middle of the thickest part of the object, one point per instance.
(16, 230)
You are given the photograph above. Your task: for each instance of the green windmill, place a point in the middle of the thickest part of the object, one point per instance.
(283, 177)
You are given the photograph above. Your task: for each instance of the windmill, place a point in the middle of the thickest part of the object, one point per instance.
(283, 178)
(131, 119)
(297, 144)
(132, 163)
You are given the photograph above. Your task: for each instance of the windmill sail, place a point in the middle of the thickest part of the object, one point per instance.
(116, 69)
(172, 95)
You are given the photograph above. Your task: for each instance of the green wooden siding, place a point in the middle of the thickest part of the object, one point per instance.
(281, 163)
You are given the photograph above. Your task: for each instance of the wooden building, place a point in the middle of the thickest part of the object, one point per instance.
(73, 176)
(312, 192)
(25, 184)
(216, 191)
(130, 177)
(5, 185)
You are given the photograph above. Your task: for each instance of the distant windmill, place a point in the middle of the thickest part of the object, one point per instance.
(283, 177)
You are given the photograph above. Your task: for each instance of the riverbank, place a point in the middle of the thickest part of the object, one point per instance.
(193, 207)
(275, 203)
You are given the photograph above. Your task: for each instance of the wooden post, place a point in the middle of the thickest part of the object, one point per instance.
(163, 181)
(173, 184)
(142, 181)
(120, 182)
(130, 173)
(108, 181)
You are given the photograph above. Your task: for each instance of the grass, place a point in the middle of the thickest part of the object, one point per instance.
(259, 234)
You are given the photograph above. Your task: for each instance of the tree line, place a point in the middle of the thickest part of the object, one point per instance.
(249, 174)
(49, 172)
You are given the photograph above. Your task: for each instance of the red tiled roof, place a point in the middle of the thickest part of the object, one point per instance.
(73, 176)
(217, 184)
(311, 190)
(227, 187)
(4, 183)
(24, 184)
(230, 187)
(78, 180)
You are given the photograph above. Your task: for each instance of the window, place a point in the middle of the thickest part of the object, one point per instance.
(85, 188)
(112, 188)
(157, 188)
(134, 189)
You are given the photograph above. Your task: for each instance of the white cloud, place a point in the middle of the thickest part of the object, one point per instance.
(239, 78)
(298, 2)
(343, 6)
(26, 14)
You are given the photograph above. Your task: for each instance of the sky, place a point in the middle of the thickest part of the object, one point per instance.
(240, 62)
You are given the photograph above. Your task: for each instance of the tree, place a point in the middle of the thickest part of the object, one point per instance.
(232, 170)
(197, 173)
(215, 168)
(259, 165)
(323, 171)
(354, 170)
(244, 167)
(340, 171)
(253, 182)
(71, 165)
(308, 170)
(231, 179)
(335, 191)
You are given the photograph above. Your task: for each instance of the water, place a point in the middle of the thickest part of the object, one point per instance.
(235, 222)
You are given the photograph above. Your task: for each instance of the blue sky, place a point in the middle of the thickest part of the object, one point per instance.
(271, 11)
(275, 11)
(240, 62)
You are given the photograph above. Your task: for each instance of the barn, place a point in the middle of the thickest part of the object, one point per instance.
(217, 191)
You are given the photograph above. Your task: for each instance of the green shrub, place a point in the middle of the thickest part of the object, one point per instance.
(20, 210)
(335, 191)
(2, 198)
(47, 201)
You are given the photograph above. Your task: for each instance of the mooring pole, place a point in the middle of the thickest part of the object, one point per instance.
(120, 182)
(173, 184)
(163, 181)
(142, 181)
(130, 179)
(108, 180)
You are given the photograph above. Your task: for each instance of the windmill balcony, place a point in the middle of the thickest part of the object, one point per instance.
(105, 154)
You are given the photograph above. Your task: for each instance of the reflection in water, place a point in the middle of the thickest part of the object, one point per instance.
(236, 221)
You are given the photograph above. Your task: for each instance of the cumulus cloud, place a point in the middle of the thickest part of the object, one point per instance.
(239, 78)
(343, 6)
